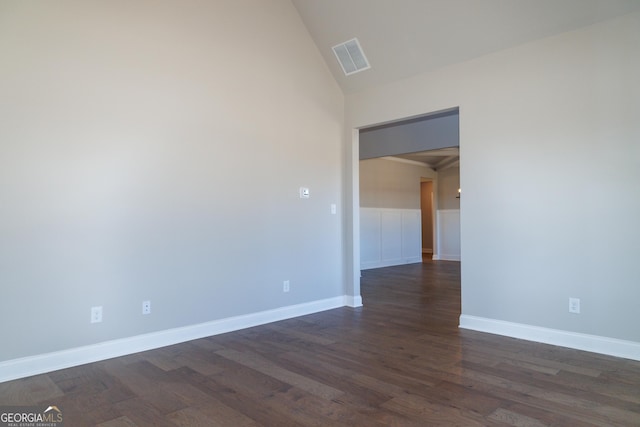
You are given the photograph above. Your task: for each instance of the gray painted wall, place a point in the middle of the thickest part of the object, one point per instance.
(430, 133)
(143, 155)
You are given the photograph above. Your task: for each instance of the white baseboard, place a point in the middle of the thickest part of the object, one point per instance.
(578, 341)
(445, 257)
(390, 262)
(351, 301)
(39, 364)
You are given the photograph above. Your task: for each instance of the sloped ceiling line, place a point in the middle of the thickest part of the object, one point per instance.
(403, 38)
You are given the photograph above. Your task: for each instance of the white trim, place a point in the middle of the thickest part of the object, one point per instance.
(351, 301)
(407, 161)
(353, 245)
(407, 252)
(447, 224)
(446, 257)
(390, 262)
(42, 363)
(578, 341)
(391, 210)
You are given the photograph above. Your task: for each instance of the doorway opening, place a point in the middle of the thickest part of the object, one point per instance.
(435, 135)
(427, 215)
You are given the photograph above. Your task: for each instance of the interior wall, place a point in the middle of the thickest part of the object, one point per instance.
(559, 110)
(448, 185)
(390, 211)
(154, 152)
(394, 184)
(426, 207)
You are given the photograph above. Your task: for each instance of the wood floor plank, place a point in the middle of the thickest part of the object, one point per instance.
(118, 422)
(242, 395)
(73, 409)
(515, 419)
(211, 414)
(328, 370)
(314, 338)
(602, 386)
(419, 407)
(518, 414)
(142, 413)
(566, 404)
(261, 365)
(198, 361)
(29, 391)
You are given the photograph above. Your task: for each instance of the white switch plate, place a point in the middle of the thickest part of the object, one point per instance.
(334, 209)
(146, 307)
(304, 193)
(285, 286)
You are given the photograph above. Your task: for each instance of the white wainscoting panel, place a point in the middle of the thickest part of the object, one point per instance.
(370, 233)
(389, 237)
(448, 235)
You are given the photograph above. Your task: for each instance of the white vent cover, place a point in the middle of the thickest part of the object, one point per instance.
(351, 57)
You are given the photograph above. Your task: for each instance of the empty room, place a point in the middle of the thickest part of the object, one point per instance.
(197, 227)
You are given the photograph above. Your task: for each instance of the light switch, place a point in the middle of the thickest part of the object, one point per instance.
(304, 193)
(334, 209)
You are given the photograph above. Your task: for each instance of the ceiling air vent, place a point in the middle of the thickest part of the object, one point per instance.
(351, 57)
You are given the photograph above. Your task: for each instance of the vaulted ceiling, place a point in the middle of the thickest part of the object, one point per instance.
(401, 38)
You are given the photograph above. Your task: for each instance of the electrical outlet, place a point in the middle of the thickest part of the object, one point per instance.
(146, 307)
(96, 314)
(285, 286)
(574, 305)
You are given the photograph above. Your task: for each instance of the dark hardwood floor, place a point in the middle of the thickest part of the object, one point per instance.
(399, 360)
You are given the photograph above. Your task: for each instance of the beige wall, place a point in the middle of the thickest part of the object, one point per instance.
(427, 200)
(448, 184)
(154, 151)
(388, 183)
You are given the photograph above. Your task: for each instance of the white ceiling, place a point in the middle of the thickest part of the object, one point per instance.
(402, 38)
(435, 159)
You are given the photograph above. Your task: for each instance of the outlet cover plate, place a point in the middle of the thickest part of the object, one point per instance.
(96, 314)
(574, 305)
